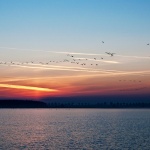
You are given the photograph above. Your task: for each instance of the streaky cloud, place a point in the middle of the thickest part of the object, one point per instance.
(108, 72)
(27, 88)
(58, 52)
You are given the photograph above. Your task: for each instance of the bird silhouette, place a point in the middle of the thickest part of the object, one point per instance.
(111, 54)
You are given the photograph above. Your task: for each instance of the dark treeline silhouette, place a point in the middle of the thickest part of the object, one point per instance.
(22, 104)
(99, 105)
(113, 101)
(39, 104)
(99, 99)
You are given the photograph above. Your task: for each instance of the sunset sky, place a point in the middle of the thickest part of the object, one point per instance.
(54, 48)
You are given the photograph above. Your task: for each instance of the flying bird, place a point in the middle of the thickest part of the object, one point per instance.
(107, 53)
(111, 54)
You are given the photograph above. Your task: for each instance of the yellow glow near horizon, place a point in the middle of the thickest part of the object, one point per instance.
(27, 88)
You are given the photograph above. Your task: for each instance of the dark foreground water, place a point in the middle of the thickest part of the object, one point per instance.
(75, 129)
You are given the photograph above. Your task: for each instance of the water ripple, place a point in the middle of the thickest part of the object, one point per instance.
(86, 129)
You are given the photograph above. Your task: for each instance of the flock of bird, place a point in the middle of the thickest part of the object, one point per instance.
(74, 60)
(129, 81)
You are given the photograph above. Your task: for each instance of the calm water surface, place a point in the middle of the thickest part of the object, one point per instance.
(75, 129)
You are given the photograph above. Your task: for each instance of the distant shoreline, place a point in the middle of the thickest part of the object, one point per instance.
(13, 104)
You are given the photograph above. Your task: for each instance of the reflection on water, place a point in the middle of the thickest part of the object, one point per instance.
(74, 129)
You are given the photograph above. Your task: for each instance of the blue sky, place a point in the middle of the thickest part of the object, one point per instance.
(76, 25)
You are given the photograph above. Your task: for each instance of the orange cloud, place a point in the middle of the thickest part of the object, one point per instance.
(27, 88)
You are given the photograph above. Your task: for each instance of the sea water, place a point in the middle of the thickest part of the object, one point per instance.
(87, 129)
